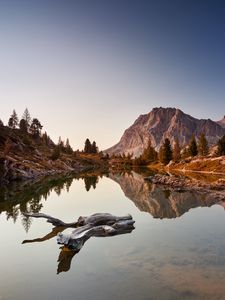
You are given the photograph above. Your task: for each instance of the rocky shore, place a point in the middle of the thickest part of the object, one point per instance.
(182, 183)
(18, 168)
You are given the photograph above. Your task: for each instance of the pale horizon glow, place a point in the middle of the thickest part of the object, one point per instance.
(90, 68)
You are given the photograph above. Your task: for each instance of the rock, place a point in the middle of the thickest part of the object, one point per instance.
(161, 123)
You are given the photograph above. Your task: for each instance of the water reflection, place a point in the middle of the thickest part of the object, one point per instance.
(160, 201)
(26, 196)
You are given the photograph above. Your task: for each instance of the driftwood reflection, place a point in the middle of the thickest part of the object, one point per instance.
(97, 225)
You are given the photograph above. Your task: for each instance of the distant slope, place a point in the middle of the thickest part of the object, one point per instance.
(222, 122)
(163, 123)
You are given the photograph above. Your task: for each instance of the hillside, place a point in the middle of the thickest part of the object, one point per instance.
(24, 156)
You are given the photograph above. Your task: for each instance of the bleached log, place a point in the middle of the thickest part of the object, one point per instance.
(95, 219)
(97, 225)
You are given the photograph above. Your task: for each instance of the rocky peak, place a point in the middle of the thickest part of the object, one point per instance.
(161, 123)
(222, 122)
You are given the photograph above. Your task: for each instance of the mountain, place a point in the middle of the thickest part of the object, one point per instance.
(163, 123)
(222, 122)
(159, 201)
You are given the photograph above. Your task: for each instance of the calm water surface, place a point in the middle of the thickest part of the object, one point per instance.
(176, 251)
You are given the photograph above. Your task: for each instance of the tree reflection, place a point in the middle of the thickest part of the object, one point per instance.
(90, 181)
(28, 196)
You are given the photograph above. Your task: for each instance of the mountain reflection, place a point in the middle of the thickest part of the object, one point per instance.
(161, 202)
(27, 196)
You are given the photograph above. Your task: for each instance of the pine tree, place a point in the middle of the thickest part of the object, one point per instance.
(203, 148)
(149, 154)
(23, 126)
(87, 146)
(193, 149)
(68, 148)
(167, 153)
(94, 148)
(26, 116)
(13, 120)
(221, 146)
(35, 127)
(176, 151)
(56, 153)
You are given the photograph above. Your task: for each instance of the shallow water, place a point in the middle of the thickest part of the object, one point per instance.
(176, 251)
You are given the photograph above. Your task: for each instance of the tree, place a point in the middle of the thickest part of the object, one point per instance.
(13, 120)
(176, 151)
(1, 123)
(221, 146)
(193, 149)
(87, 146)
(23, 126)
(68, 148)
(149, 154)
(167, 154)
(61, 143)
(203, 148)
(35, 127)
(94, 148)
(56, 153)
(46, 139)
(26, 116)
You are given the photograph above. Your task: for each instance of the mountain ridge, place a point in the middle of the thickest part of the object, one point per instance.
(161, 123)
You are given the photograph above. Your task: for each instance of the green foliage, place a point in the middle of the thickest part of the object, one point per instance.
(221, 146)
(166, 154)
(26, 116)
(193, 149)
(203, 148)
(90, 147)
(87, 146)
(149, 154)
(23, 126)
(94, 148)
(35, 127)
(13, 120)
(56, 153)
(68, 149)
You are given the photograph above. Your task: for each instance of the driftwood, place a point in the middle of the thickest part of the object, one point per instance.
(97, 225)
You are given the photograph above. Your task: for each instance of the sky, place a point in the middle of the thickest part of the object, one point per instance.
(90, 68)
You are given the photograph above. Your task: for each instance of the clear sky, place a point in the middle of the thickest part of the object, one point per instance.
(90, 68)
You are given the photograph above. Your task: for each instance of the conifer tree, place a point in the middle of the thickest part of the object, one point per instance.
(94, 148)
(87, 146)
(176, 151)
(149, 154)
(35, 127)
(68, 148)
(23, 126)
(26, 116)
(167, 153)
(203, 148)
(221, 146)
(193, 149)
(13, 120)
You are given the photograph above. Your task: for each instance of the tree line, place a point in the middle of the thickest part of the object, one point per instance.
(168, 153)
(32, 128)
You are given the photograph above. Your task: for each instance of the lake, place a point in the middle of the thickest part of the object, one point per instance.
(176, 251)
